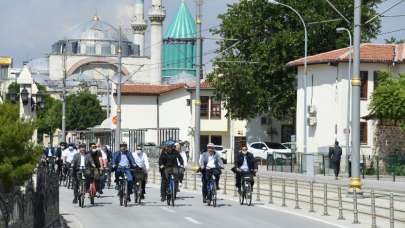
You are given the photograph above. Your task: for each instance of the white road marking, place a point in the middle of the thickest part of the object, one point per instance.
(168, 209)
(192, 220)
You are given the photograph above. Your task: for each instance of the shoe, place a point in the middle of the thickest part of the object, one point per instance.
(204, 200)
(129, 199)
(218, 188)
(142, 196)
(74, 201)
(163, 199)
(101, 192)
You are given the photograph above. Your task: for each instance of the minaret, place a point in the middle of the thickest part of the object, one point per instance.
(157, 15)
(139, 26)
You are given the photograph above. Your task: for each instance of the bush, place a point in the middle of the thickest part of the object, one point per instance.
(18, 155)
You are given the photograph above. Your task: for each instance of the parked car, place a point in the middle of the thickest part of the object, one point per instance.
(290, 145)
(260, 150)
(222, 152)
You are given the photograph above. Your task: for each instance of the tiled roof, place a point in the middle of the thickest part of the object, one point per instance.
(369, 53)
(144, 89)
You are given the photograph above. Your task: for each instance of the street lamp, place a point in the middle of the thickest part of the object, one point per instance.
(347, 130)
(305, 66)
(40, 99)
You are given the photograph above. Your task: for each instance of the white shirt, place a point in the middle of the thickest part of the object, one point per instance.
(50, 152)
(244, 166)
(82, 161)
(141, 160)
(211, 162)
(184, 156)
(103, 155)
(68, 155)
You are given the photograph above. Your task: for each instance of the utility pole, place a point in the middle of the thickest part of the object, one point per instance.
(118, 128)
(199, 75)
(355, 182)
(63, 139)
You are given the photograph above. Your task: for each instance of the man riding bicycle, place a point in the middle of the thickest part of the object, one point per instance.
(81, 162)
(170, 162)
(244, 165)
(98, 161)
(142, 167)
(210, 164)
(122, 162)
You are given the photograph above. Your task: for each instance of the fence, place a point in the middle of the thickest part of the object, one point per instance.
(370, 206)
(36, 204)
(388, 167)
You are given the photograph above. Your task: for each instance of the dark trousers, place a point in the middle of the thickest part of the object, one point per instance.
(238, 179)
(337, 168)
(165, 180)
(76, 182)
(142, 176)
(205, 175)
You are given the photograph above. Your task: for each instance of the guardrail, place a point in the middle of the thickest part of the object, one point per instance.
(36, 204)
(371, 205)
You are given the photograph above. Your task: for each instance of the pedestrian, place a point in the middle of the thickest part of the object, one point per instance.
(336, 156)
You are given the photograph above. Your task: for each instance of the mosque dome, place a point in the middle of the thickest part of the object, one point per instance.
(95, 29)
(95, 38)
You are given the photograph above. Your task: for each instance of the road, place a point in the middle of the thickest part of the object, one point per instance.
(188, 212)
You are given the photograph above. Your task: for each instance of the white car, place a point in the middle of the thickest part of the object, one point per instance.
(222, 152)
(260, 150)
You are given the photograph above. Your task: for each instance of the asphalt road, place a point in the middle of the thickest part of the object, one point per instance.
(188, 212)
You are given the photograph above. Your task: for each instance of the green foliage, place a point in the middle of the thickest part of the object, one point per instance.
(394, 40)
(18, 156)
(395, 163)
(272, 35)
(388, 101)
(83, 110)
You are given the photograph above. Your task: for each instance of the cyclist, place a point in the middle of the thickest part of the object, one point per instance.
(142, 167)
(170, 162)
(122, 161)
(163, 149)
(182, 169)
(210, 164)
(98, 161)
(81, 162)
(58, 155)
(244, 165)
(67, 157)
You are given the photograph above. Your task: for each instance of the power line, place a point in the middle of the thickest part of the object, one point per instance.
(393, 31)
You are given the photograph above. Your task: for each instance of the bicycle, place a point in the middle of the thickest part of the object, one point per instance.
(211, 188)
(171, 190)
(108, 177)
(138, 178)
(82, 186)
(123, 188)
(246, 189)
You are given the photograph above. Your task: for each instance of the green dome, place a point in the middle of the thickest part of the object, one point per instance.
(179, 46)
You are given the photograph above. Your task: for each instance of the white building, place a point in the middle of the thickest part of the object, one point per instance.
(327, 94)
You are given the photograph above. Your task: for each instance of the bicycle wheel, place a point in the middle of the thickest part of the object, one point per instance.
(120, 193)
(173, 196)
(249, 195)
(214, 194)
(82, 194)
(136, 194)
(109, 180)
(125, 193)
(242, 195)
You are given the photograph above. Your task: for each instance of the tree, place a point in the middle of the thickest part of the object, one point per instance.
(269, 36)
(18, 156)
(394, 40)
(83, 110)
(388, 101)
(50, 116)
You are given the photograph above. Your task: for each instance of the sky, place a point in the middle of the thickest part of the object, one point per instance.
(28, 28)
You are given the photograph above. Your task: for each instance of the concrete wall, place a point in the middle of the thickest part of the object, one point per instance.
(327, 90)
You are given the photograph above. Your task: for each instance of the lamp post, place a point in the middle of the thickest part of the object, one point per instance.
(118, 128)
(355, 182)
(305, 66)
(347, 130)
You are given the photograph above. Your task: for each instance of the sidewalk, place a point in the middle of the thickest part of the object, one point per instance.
(383, 185)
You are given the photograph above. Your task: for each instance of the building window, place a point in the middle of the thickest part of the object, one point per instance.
(215, 108)
(204, 139)
(3, 72)
(364, 85)
(263, 121)
(216, 139)
(363, 133)
(204, 107)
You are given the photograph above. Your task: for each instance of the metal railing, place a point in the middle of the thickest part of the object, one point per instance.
(36, 204)
(377, 206)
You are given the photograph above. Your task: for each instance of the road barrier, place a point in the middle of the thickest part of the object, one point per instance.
(329, 198)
